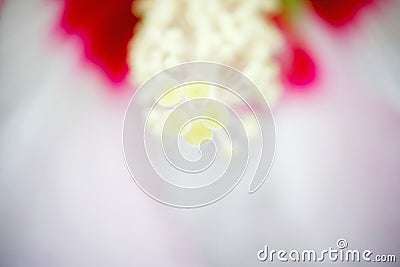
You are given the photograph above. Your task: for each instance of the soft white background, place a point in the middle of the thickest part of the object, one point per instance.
(66, 198)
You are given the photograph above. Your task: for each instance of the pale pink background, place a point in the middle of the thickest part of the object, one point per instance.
(66, 197)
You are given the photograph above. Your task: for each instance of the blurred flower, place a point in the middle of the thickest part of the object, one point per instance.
(243, 34)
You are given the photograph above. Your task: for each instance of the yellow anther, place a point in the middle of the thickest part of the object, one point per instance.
(196, 90)
(197, 133)
(171, 96)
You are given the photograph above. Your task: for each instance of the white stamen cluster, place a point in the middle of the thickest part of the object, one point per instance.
(232, 32)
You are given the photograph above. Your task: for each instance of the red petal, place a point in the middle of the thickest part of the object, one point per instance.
(301, 70)
(105, 26)
(338, 13)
